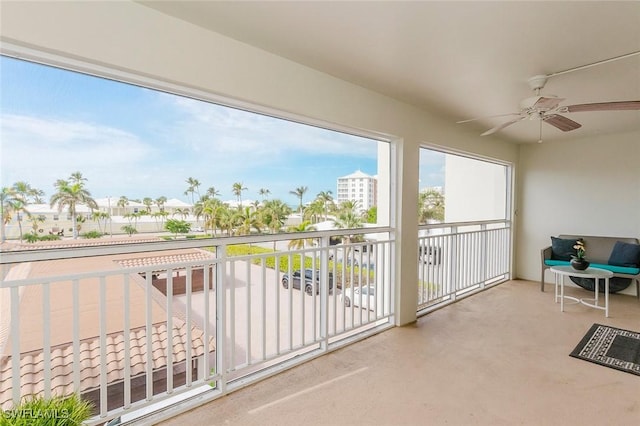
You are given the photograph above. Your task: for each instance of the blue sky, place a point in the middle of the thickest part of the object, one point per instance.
(131, 141)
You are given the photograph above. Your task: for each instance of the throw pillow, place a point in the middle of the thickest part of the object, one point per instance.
(562, 249)
(625, 254)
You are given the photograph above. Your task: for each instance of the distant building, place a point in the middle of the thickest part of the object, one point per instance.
(359, 187)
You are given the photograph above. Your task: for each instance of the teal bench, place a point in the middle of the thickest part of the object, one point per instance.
(598, 251)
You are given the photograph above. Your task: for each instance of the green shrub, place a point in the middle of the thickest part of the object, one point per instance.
(55, 411)
(31, 238)
(129, 229)
(92, 234)
(50, 237)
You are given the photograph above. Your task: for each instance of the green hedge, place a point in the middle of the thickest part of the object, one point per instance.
(92, 234)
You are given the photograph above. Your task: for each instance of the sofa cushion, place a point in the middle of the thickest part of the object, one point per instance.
(625, 254)
(612, 268)
(562, 249)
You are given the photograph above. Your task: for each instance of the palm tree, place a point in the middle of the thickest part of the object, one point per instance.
(160, 201)
(7, 198)
(299, 192)
(129, 229)
(347, 219)
(182, 212)
(371, 215)
(162, 215)
(36, 221)
(193, 188)
(264, 192)
(211, 210)
(212, 192)
(76, 177)
(326, 198)
(301, 243)
(19, 207)
(37, 195)
(27, 193)
(430, 206)
(99, 217)
(148, 202)
(246, 220)
(226, 220)
(237, 189)
(122, 203)
(314, 210)
(274, 213)
(71, 194)
(348, 206)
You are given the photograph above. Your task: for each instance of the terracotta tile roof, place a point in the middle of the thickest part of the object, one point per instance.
(32, 364)
(193, 255)
(66, 243)
(31, 320)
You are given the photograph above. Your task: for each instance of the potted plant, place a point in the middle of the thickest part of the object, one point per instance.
(578, 261)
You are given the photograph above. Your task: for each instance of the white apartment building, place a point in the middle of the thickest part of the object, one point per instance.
(359, 187)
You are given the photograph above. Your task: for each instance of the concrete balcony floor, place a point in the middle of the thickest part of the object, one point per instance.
(500, 357)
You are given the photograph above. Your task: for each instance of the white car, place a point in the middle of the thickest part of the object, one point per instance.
(364, 297)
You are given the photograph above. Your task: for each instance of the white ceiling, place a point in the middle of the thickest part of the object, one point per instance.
(456, 59)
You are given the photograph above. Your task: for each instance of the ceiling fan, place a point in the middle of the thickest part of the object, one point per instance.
(547, 109)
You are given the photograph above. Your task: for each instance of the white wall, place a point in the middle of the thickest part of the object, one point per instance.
(474, 190)
(583, 187)
(135, 39)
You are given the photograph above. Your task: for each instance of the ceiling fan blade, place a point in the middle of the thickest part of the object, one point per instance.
(561, 122)
(487, 116)
(547, 103)
(503, 125)
(605, 106)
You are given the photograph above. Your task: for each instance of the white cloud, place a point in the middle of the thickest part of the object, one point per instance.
(223, 131)
(42, 150)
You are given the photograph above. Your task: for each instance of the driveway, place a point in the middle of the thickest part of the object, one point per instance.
(268, 320)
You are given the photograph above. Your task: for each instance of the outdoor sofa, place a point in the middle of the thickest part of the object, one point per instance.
(620, 255)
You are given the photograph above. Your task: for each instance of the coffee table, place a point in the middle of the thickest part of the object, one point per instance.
(595, 273)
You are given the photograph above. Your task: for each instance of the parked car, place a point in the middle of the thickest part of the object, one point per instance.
(364, 297)
(309, 284)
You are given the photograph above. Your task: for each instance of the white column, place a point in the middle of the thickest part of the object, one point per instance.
(404, 183)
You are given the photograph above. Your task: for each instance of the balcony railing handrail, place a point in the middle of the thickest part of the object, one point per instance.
(463, 224)
(465, 257)
(17, 256)
(179, 265)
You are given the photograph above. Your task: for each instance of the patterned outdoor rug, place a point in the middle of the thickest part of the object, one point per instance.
(611, 347)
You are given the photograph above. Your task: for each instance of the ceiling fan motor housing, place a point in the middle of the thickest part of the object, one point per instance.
(537, 82)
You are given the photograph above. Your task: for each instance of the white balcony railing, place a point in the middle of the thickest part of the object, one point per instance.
(456, 259)
(133, 326)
